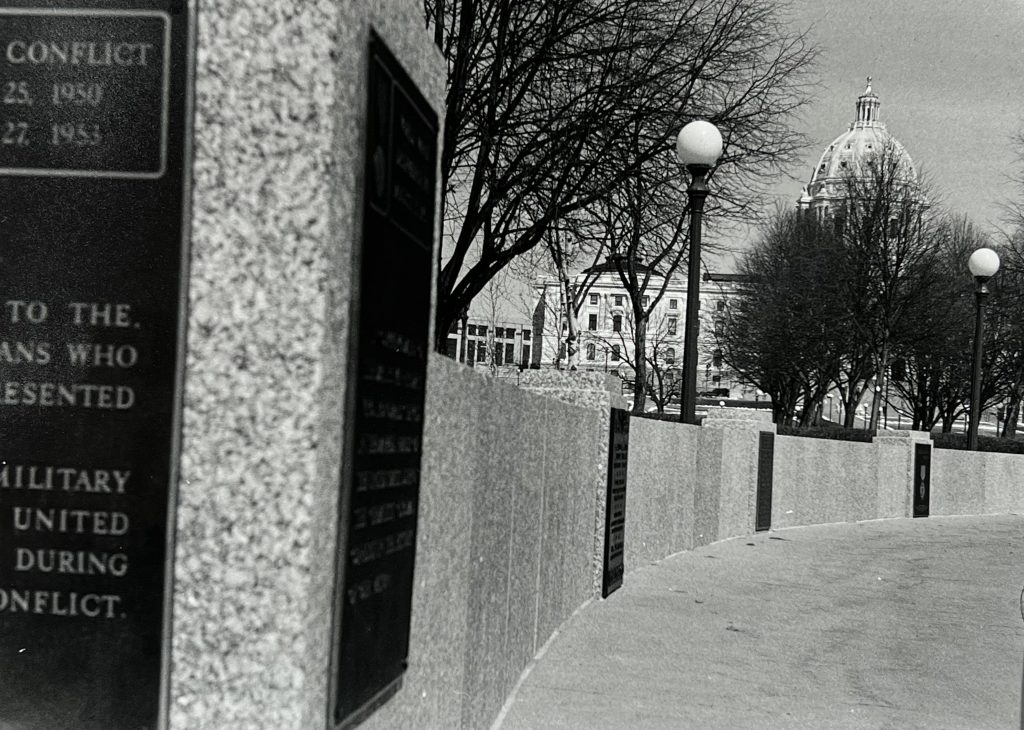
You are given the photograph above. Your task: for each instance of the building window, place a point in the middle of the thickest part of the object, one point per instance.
(719, 327)
(526, 335)
(645, 301)
(716, 357)
(716, 378)
(526, 356)
(592, 322)
(593, 298)
(672, 325)
(670, 355)
(453, 348)
(673, 304)
(720, 304)
(470, 354)
(618, 300)
(498, 355)
(591, 351)
(481, 352)
(482, 330)
(510, 353)
(499, 332)
(615, 353)
(472, 329)
(617, 323)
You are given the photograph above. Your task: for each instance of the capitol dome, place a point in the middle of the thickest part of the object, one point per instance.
(852, 154)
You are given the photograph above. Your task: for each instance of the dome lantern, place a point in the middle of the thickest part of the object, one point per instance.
(867, 106)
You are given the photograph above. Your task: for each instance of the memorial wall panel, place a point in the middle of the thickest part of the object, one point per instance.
(381, 476)
(93, 177)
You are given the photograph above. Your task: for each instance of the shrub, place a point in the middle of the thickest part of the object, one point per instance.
(655, 416)
(985, 443)
(826, 432)
(734, 403)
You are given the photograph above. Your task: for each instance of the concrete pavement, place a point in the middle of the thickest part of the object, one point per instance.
(884, 624)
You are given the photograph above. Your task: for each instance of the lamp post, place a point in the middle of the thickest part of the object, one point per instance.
(983, 263)
(698, 147)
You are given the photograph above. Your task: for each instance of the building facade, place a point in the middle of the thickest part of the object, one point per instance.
(497, 346)
(605, 321)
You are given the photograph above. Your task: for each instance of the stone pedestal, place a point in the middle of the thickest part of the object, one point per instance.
(587, 388)
(592, 390)
(279, 130)
(895, 451)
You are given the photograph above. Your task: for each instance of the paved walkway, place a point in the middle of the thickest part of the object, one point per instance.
(886, 624)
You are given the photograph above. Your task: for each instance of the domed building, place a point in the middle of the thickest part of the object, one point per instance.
(853, 155)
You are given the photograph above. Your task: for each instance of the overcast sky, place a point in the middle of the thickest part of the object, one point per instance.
(950, 78)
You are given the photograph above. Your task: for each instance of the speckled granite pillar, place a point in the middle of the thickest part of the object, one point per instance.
(895, 468)
(280, 94)
(594, 390)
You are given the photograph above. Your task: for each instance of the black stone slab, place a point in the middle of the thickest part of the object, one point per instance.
(922, 479)
(765, 466)
(387, 386)
(94, 128)
(615, 504)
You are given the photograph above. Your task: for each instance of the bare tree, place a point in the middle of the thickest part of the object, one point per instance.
(489, 304)
(887, 226)
(787, 331)
(1009, 297)
(933, 348)
(540, 93)
(566, 249)
(658, 360)
(644, 221)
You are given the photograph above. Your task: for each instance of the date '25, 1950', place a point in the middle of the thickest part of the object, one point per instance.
(76, 134)
(61, 93)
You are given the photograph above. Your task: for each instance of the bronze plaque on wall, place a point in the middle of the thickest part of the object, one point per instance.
(94, 130)
(380, 478)
(615, 502)
(765, 467)
(922, 479)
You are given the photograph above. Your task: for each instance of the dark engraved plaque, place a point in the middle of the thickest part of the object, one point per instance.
(615, 504)
(84, 91)
(922, 479)
(94, 127)
(381, 473)
(765, 464)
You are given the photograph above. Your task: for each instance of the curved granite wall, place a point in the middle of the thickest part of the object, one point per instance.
(512, 507)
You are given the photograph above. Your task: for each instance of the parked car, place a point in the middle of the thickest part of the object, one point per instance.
(715, 393)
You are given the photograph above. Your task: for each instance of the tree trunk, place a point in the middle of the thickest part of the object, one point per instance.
(1011, 417)
(572, 336)
(639, 365)
(948, 418)
(879, 389)
(850, 407)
